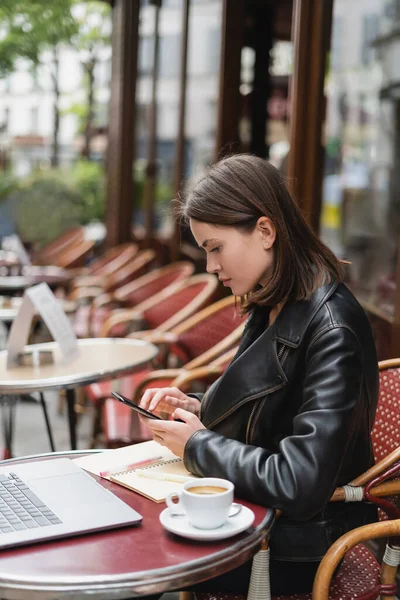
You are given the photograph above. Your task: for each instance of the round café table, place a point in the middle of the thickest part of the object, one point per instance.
(124, 563)
(99, 359)
(53, 276)
(9, 308)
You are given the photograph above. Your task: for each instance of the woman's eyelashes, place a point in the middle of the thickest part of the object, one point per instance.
(216, 249)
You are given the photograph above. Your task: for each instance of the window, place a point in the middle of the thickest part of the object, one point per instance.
(169, 50)
(370, 30)
(336, 44)
(214, 50)
(145, 61)
(34, 119)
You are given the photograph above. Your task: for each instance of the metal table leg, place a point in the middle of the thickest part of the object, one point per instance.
(70, 396)
(47, 420)
(7, 404)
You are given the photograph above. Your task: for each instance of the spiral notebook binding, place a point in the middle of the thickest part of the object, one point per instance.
(157, 464)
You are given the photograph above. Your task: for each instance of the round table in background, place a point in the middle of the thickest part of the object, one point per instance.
(123, 563)
(53, 276)
(9, 310)
(99, 359)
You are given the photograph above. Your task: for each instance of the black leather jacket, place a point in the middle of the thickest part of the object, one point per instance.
(290, 419)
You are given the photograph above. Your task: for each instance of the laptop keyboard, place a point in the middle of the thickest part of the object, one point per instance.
(20, 508)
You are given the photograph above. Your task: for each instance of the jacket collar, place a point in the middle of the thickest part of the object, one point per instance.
(294, 319)
(256, 371)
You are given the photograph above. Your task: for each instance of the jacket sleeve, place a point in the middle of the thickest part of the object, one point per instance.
(300, 478)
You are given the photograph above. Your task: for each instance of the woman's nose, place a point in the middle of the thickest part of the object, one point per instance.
(212, 266)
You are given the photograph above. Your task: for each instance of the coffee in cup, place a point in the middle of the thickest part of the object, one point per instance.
(206, 489)
(207, 503)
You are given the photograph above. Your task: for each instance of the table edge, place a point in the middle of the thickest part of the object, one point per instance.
(143, 582)
(71, 381)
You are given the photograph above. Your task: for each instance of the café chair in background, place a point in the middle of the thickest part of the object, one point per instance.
(75, 256)
(50, 252)
(135, 292)
(110, 261)
(84, 296)
(164, 310)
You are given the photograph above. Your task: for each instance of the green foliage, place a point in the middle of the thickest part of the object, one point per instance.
(163, 191)
(8, 184)
(30, 27)
(49, 202)
(89, 180)
(46, 205)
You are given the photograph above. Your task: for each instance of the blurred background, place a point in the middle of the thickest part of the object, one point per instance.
(108, 109)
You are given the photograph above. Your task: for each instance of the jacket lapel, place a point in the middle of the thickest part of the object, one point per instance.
(255, 370)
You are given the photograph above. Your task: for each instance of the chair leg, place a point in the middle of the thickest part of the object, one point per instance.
(390, 564)
(259, 585)
(46, 418)
(97, 423)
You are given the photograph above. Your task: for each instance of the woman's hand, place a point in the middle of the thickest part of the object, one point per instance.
(173, 434)
(168, 399)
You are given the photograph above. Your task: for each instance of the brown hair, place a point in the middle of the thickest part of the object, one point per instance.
(236, 192)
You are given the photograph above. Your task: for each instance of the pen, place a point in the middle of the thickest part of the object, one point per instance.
(164, 476)
(135, 465)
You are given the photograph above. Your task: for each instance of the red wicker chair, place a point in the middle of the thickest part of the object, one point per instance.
(75, 256)
(360, 575)
(107, 264)
(49, 254)
(84, 296)
(165, 310)
(135, 292)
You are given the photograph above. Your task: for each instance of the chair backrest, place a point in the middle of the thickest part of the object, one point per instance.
(76, 256)
(113, 259)
(386, 430)
(152, 283)
(178, 302)
(53, 250)
(207, 328)
(130, 271)
(188, 380)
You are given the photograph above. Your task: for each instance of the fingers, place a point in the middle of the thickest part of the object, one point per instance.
(154, 396)
(187, 417)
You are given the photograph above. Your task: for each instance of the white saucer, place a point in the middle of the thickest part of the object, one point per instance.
(181, 526)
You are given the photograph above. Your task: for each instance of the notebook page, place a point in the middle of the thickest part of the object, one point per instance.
(120, 458)
(155, 489)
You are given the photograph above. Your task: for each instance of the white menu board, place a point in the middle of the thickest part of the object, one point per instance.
(40, 299)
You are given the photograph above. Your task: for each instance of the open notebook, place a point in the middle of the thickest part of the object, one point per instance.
(147, 468)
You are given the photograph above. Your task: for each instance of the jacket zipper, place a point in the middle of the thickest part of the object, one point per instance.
(282, 353)
(255, 407)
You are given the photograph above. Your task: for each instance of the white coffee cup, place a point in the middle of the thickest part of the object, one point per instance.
(207, 503)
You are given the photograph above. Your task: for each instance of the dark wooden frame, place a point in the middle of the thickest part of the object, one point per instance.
(121, 137)
(311, 29)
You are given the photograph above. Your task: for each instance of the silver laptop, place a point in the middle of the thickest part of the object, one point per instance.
(53, 499)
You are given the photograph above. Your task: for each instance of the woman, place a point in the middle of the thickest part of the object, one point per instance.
(290, 419)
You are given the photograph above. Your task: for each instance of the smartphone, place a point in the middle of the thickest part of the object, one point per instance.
(139, 409)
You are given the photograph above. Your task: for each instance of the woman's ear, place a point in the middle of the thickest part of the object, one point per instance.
(267, 231)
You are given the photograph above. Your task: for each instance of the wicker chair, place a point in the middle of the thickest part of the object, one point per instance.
(75, 256)
(135, 292)
(111, 261)
(360, 575)
(49, 254)
(165, 310)
(84, 296)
